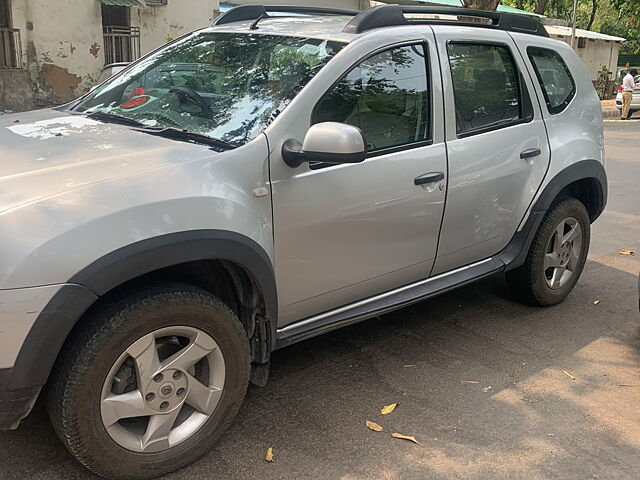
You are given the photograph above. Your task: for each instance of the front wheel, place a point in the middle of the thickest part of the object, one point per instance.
(556, 257)
(150, 382)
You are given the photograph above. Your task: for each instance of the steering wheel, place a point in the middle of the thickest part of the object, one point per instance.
(188, 93)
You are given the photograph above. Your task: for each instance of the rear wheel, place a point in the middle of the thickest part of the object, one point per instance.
(556, 257)
(150, 382)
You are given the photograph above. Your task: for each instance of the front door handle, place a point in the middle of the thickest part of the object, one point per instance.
(430, 177)
(530, 153)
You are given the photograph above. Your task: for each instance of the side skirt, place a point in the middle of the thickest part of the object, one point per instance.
(386, 302)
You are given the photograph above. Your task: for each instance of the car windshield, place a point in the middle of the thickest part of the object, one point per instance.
(225, 86)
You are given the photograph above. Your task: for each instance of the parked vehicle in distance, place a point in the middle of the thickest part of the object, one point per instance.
(263, 181)
(635, 99)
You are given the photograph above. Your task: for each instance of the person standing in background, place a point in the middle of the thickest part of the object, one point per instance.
(628, 85)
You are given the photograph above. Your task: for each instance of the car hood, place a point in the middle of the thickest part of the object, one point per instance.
(46, 152)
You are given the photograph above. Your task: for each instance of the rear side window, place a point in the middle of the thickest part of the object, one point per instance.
(554, 76)
(386, 96)
(485, 85)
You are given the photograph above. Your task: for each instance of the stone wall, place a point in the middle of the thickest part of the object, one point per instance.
(16, 93)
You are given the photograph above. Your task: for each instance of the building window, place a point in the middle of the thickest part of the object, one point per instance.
(10, 53)
(121, 40)
(582, 42)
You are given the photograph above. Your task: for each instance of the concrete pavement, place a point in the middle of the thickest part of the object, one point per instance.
(492, 389)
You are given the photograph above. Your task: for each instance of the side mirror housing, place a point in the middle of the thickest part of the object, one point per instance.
(328, 142)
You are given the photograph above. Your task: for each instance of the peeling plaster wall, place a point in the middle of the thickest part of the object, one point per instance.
(62, 41)
(161, 24)
(61, 44)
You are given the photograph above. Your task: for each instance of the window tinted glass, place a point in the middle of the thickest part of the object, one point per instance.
(224, 85)
(485, 84)
(385, 96)
(554, 77)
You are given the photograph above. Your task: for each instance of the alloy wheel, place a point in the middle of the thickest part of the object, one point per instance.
(562, 255)
(162, 389)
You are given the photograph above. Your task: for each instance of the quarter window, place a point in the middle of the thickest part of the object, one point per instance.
(554, 76)
(485, 85)
(386, 96)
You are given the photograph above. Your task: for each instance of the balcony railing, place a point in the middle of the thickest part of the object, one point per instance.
(10, 48)
(121, 44)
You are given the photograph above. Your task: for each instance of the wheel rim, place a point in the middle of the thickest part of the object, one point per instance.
(562, 255)
(162, 389)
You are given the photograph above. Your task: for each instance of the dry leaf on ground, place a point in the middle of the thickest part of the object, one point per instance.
(269, 456)
(596, 302)
(388, 409)
(626, 252)
(374, 426)
(411, 438)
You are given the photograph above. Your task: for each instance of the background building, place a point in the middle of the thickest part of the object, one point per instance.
(53, 51)
(596, 50)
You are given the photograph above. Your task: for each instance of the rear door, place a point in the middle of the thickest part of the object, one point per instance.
(497, 146)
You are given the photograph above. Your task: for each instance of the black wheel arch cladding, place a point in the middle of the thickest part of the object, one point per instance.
(52, 327)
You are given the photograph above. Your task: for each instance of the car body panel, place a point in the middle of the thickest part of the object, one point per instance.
(83, 190)
(19, 310)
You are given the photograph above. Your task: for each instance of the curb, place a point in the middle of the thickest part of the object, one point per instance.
(610, 112)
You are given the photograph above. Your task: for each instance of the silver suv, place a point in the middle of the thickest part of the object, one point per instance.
(281, 174)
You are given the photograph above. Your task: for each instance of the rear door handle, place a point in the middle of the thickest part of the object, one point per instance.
(430, 177)
(530, 153)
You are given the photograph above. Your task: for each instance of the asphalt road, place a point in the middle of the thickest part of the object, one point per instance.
(490, 388)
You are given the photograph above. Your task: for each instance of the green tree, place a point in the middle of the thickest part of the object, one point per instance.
(620, 18)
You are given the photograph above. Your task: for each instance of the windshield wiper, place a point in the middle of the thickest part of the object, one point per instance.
(113, 118)
(187, 136)
(167, 132)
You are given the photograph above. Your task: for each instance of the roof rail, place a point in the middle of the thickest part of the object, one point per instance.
(254, 12)
(394, 15)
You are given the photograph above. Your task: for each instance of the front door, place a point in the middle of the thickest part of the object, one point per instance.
(345, 232)
(497, 144)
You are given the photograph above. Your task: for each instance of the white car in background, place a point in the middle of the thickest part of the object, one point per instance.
(635, 101)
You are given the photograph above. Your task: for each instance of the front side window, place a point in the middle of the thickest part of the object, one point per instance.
(554, 76)
(485, 85)
(225, 86)
(386, 96)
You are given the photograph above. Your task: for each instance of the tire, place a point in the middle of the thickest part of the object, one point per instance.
(537, 285)
(180, 323)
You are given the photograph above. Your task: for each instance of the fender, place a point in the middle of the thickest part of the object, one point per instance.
(516, 251)
(50, 330)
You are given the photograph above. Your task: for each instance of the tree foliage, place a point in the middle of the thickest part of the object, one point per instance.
(613, 17)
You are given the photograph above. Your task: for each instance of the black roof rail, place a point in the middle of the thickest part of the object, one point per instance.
(394, 15)
(254, 12)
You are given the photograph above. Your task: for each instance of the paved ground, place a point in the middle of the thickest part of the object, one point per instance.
(492, 389)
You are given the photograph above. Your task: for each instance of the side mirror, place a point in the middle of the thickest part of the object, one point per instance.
(328, 142)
